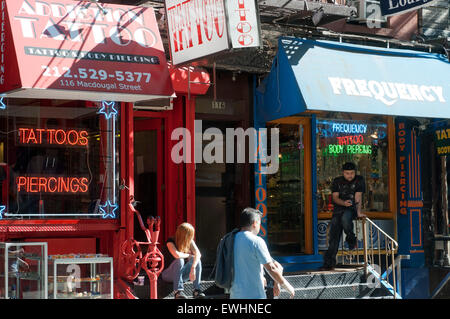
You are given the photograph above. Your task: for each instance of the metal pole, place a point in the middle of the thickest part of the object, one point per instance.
(366, 271)
(215, 81)
(393, 271)
(445, 220)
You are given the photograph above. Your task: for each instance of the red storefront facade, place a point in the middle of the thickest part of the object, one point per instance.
(78, 88)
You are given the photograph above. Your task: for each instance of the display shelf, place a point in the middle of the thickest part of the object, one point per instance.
(23, 270)
(23, 275)
(81, 296)
(81, 278)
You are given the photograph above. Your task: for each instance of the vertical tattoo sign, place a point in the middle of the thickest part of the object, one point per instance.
(410, 202)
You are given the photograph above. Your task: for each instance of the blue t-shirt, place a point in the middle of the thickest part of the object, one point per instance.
(250, 254)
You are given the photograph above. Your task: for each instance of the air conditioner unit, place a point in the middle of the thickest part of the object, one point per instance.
(368, 11)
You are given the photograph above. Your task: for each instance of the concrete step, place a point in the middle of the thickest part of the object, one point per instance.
(348, 291)
(326, 278)
(337, 284)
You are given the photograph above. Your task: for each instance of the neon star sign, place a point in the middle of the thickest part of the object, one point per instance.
(108, 210)
(2, 209)
(108, 109)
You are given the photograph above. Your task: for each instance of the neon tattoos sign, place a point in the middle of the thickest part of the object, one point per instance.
(53, 136)
(52, 184)
(351, 144)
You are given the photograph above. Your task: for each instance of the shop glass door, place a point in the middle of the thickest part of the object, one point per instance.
(289, 219)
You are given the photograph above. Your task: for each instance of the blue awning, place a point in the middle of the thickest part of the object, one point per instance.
(332, 76)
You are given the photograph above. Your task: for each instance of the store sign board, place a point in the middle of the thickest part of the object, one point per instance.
(196, 28)
(200, 28)
(366, 80)
(392, 7)
(442, 138)
(388, 93)
(243, 23)
(73, 49)
(9, 74)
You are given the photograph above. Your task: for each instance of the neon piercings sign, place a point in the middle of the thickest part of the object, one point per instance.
(34, 184)
(52, 184)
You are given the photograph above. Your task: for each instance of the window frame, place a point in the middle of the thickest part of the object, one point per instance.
(72, 217)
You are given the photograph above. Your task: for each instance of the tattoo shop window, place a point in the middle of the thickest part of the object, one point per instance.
(364, 142)
(58, 160)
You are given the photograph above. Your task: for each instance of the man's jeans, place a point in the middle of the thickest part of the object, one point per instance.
(178, 273)
(340, 221)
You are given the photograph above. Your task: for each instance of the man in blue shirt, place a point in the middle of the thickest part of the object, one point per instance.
(250, 256)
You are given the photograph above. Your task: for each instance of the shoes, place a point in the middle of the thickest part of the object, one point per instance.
(352, 245)
(198, 294)
(180, 295)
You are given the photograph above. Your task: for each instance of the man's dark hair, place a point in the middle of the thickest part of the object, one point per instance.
(249, 216)
(349, 166)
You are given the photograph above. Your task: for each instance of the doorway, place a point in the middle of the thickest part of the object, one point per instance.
(148, 170)
(220, 195)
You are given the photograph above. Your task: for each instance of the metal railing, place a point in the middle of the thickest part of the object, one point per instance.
(376, 253)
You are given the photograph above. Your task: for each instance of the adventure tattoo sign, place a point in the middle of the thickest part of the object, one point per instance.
(59, 48)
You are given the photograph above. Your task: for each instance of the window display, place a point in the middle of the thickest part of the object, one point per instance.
(58, 159)
(23, 270)
(362, 141)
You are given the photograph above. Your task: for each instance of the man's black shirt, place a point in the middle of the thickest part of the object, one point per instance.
(347, 190)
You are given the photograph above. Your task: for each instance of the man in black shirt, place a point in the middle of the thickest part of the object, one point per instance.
(347, 193)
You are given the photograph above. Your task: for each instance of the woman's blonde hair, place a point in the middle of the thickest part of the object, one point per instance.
(183, 237)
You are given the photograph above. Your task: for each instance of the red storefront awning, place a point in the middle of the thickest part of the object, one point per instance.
(63, 49)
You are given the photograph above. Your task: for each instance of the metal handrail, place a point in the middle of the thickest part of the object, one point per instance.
(369, 251)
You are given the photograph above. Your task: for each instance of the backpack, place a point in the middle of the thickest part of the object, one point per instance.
(224, 261)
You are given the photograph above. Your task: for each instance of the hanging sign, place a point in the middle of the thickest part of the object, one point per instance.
(392, 7)
(243, 23)
(80, 50)
(200, 28)
(196, 28)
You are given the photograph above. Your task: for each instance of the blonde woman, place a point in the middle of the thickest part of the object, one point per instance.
(184, 262)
